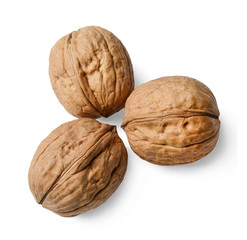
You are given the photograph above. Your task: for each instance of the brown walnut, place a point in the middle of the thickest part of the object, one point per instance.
(77, 167)
(91, 72)
(172, 120)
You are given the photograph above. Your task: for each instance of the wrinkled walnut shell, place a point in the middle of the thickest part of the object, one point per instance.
(91, 72)
(172, 120)
(77, 167)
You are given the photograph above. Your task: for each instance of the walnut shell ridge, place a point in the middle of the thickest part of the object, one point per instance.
(172, 120)
(91, 72)
(77, 167)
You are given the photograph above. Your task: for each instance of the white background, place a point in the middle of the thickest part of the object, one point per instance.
(205, 40)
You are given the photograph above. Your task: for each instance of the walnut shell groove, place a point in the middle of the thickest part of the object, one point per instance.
(172, 120)
(91, 72)
(77, 167)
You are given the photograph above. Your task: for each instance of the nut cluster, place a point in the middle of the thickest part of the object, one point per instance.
(168, 121)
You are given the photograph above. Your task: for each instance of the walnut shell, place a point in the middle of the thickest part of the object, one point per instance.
(77, 167)
(91, 72)
(172, 120)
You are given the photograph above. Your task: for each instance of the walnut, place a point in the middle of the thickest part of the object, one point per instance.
(91, 72)
(77, 167)
(172, 120)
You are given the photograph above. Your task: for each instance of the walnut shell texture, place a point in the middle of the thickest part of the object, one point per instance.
(172, 120)
(91, 72)
(77, 167)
